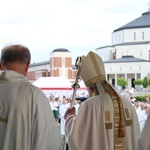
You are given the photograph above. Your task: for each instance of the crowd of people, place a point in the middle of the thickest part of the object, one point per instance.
(104, 121)
(142, 111)
(141, 107)
(59, 106)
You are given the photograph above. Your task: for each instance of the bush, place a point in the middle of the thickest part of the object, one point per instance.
(141, 97)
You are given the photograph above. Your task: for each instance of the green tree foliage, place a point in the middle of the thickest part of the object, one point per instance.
(145, 82)
(149, 82)
(121, 82)
(138, 82)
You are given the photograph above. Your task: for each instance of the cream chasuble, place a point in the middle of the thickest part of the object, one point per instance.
(87, 131)
(26, 120)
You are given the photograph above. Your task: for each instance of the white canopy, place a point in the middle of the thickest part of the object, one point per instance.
(54, 85)
(52, 82)
(58, 86)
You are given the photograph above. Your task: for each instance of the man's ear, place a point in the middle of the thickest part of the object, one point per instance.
(0, 66)
(27, 66)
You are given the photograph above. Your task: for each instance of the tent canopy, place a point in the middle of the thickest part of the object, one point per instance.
(58, 86)
(53, 83)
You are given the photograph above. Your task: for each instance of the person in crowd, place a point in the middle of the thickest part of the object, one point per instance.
(105, 121)
(54, 106)
(142, 114)
(62, 110)
(76, 105)
(146, 107)
(51, 103)
(26, 120)
(147, 100)
(136, 105)
(143, 143)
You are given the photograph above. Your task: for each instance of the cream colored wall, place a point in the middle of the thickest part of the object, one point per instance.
(106, 53)
(122, 68)
(117, 37)
(130, 70)
(138, 51)
(127, 35)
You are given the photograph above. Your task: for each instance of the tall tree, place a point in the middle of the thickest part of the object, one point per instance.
(145, 83)
(138, 83)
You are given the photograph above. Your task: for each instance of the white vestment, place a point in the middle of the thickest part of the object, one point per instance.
(144, 142)
(141, 117)
(76, 107)
(30, 124)
(87, 130)
(62, 110)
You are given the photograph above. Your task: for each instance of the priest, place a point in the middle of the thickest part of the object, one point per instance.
(105, 121)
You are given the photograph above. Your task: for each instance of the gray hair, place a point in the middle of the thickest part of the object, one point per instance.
(15, 53)
(93, 86)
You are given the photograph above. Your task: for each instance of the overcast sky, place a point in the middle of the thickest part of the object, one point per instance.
(77, 25)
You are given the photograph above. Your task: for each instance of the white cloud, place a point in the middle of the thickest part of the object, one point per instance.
(79, 25)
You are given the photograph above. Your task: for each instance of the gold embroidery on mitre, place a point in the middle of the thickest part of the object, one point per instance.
(94, 62)
(95, 80)
(3, 119)
(98, 77)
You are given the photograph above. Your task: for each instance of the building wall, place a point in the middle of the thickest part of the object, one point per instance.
(118, 37)
(60, 65)
(106, 53)
(136, 35)
(122, 68)
(128, 71)
(60, 61)
(128, 42)
(139, 51)
(39, 67)
(130, 35)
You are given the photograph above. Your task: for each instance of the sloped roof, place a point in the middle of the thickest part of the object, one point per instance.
(60, 50)
(141, 22)
(40, 63)
(132, 43)
(126, 59)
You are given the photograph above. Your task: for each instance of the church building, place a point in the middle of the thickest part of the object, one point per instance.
(59, 65)
(129, 54)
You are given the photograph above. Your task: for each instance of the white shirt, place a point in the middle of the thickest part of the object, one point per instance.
(62, 111)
